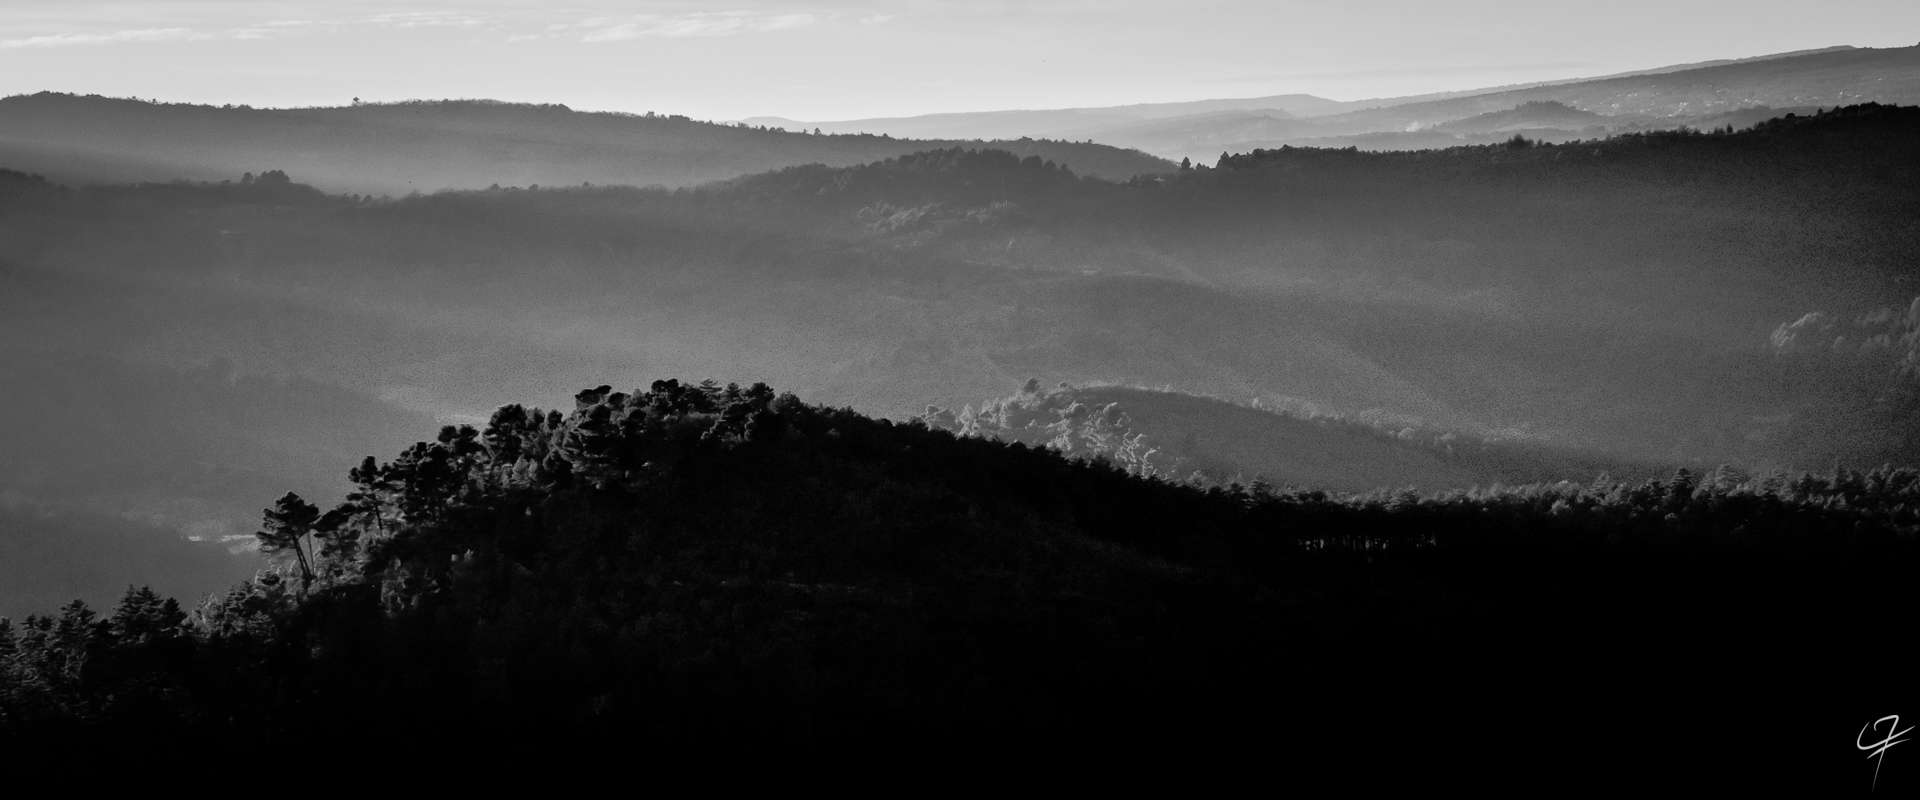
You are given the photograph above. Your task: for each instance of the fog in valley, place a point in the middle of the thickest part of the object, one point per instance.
(1706, 268)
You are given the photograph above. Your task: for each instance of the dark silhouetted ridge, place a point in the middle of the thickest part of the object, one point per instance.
(686, 565)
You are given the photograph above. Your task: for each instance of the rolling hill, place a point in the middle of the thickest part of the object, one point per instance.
(427, 146)
(1659, 98)
(1530, 116)
(690, 569)
(1618, 299)
(1069, 123)
(1184, 436)
(1820, 78)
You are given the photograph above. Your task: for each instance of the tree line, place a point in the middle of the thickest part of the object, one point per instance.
(697, 562)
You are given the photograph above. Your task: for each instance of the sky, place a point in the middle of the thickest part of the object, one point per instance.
(844, 59)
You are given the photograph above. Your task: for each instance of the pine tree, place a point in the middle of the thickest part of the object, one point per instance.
(286, 528)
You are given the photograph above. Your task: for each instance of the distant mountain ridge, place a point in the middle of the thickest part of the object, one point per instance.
(1656, 98)
(1822, 77)
(1065, 122)
(428, 146)
(1516, 294)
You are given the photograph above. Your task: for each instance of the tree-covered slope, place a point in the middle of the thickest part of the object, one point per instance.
(687, 567)
(1622, 297)
(1182, 436)
(1564, 282)
(1617, 294)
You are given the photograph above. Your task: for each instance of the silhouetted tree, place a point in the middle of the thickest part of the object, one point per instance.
(286, 528)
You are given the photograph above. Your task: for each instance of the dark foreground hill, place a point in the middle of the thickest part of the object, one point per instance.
(429, 146)
(731, 573)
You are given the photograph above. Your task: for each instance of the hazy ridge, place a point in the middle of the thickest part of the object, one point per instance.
(1659, 98)
(428, 146)
(1471, 447)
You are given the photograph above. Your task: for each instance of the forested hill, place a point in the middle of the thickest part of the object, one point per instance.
(426, 146)
(1830, 166)
(1618, 295)
(684, 567)
(1532, 282)
(1864, 152)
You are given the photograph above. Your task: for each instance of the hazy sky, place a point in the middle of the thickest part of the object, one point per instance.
(854, 58)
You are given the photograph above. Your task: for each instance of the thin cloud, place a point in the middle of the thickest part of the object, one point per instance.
(428, 19)
(683, 26)
(268, 29)
(94, 39)
(271, 29)
(501, 19)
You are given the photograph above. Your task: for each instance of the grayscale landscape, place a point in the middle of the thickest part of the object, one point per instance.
(1198, 380)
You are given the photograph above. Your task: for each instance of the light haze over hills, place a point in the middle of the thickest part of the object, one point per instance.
(1664, 97)
(430, 146)
(1122, 414)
